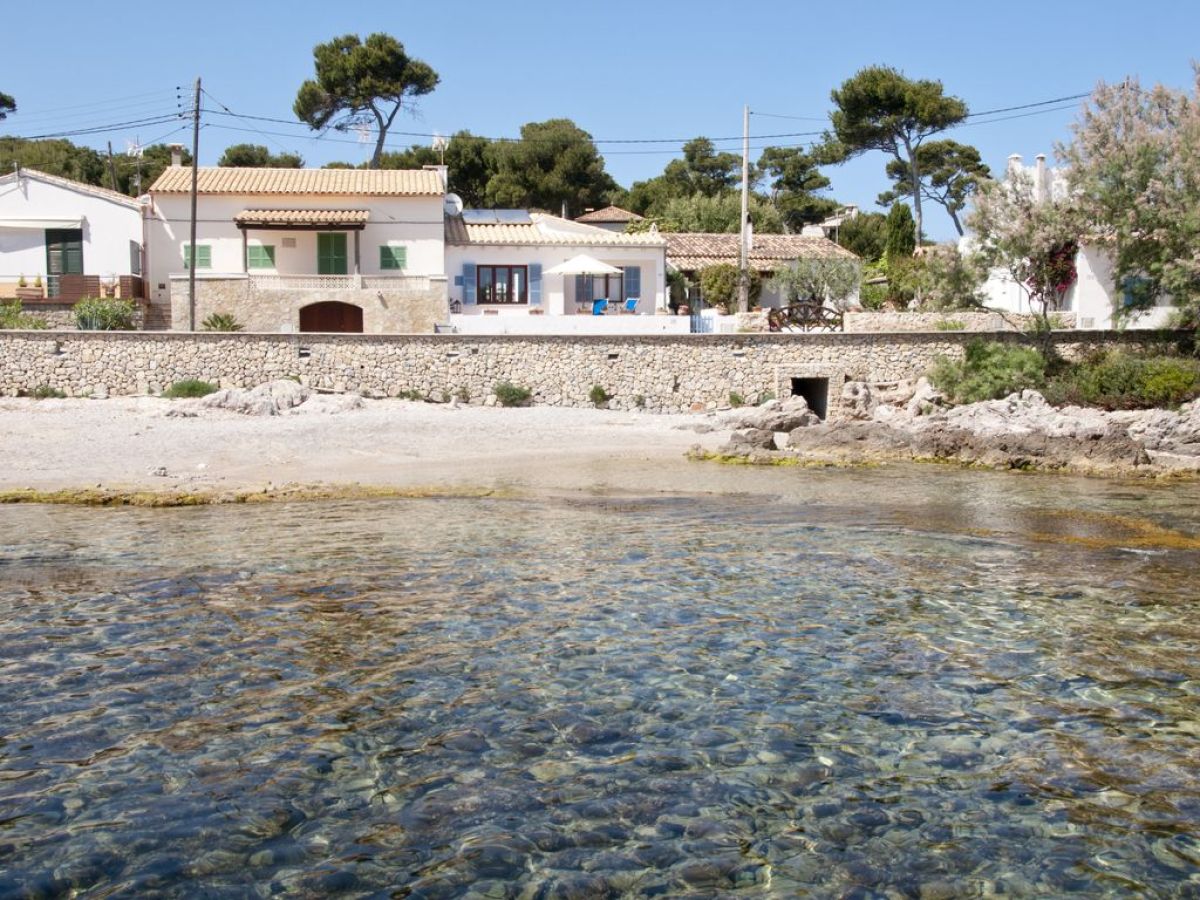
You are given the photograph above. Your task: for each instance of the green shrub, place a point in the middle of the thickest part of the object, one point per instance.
(410, 394)
(12, 318)
(1121, 380)
(639, 401)
(950, 325)
(46, 392)
(510, 394)
(598, 395)
(104, 314)
(719, 286)
(463, 395)
(989, 371)
(221, 322)
(736, 399)
(189, 387)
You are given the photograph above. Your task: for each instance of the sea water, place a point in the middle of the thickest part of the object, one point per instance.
(902, 683)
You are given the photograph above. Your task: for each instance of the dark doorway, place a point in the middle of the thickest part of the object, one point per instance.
(815, 391)
(332, 316)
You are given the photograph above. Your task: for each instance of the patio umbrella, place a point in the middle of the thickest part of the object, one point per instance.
(583, 265)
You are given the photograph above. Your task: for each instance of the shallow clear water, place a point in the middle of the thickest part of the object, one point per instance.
(872, 684)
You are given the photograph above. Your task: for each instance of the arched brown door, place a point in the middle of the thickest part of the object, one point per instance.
(331, 315)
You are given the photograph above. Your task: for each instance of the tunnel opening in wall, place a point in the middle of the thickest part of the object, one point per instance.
(815, 392)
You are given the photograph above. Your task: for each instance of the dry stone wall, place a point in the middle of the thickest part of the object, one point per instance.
(663, 373)
(881, 322)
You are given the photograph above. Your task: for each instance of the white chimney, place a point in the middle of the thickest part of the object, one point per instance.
(177, 154)
(1014, 165)
(1039, 179)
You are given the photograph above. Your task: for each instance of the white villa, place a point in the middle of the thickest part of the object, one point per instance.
(72, 240)
(1095, 296)
(301, 249)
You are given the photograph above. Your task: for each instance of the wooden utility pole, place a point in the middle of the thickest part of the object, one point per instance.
(112, 168)
(743, 257)
(195, 179)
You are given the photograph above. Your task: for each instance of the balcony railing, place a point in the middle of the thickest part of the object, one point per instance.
(338, 282)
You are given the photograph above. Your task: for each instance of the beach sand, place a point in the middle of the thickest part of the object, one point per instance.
(132, 444)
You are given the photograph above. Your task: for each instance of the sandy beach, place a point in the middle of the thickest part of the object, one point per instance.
(132, 443)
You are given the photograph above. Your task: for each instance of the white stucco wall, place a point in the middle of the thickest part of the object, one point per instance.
(109, 228)
(558, 291)
(412, 222)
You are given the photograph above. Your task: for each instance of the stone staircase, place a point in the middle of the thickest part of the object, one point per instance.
(157, 317)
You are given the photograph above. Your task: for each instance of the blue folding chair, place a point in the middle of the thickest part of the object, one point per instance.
(599, 307)
(631, 304)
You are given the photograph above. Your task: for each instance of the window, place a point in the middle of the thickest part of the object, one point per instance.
(614, 288)
(203, 256)
(393, 257)
(608, 287)
(502, 284)
(259, 256)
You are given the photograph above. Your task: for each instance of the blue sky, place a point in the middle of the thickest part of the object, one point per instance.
(622, 70)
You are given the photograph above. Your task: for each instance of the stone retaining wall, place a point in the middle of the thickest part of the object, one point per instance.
(864, 322)
(662, 373)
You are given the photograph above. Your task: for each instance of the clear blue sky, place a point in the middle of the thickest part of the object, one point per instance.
(620, 69)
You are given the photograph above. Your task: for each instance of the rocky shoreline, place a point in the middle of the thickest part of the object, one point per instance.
(912, 421)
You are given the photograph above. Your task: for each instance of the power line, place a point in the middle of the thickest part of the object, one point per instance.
(101, 129)
(230, 112)
(112, 101)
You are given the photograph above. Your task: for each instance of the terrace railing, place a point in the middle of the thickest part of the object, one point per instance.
(338, 282)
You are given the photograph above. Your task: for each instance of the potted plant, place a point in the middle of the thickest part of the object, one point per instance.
(25, 292)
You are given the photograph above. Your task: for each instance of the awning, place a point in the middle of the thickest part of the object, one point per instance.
(583, 265)
(302, 219)
(33, 224)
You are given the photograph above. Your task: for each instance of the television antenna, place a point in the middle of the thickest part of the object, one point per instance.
(440, 143)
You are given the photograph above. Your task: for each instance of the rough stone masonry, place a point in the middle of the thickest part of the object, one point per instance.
(658, 373)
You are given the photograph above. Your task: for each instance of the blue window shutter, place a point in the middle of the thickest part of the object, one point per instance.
(633, 282)
(535, 284)
(468, 277)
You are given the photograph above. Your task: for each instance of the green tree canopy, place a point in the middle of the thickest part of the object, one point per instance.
(951, 172)
(7, 105)
(864, 235)
(795, 186)
(256, 156)
(466, 157)
(900, 238)
(54, 157)
(362, 83)
(702, 171)
(880, 109)
(554, 162)
(719, 285)
(819, 280)
(722, 214)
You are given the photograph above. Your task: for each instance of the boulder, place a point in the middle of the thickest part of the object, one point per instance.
(750, 439)
(774, 415)
(925, 398)
(269, 399)
(858, 400)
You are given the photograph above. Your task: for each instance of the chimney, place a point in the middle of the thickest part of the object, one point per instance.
(177, 154)
(1014, 164)
(1039, 179)
(443, 173)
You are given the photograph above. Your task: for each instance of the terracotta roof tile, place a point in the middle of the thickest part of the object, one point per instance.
(360, 182)
(103, 193)
(692, 251)
(545, 230)
(610, 214)
(302, 216)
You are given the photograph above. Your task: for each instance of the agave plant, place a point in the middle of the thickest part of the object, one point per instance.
(221, 322)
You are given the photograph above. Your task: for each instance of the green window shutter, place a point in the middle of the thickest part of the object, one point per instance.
(331, 253)
(393, 257)
(259, 256)
(633, 282)
(203, 256)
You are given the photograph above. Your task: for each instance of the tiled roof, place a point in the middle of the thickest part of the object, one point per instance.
(362, 182)
(608, 215)
(543, 229)
(103, 193)
(302, 217)
(692, 251)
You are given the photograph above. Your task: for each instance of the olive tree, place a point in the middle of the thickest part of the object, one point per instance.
(362, 83)
(820, 281)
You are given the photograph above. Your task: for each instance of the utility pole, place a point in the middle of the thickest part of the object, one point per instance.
(112, 168)
(743, 259)
(195, 178)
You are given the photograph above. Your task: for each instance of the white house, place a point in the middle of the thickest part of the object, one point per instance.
(301, 249)
(74, 239)
(499, 264)
(1095, 297)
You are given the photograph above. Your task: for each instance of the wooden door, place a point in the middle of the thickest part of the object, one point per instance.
(332, 316)
(64, 256)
